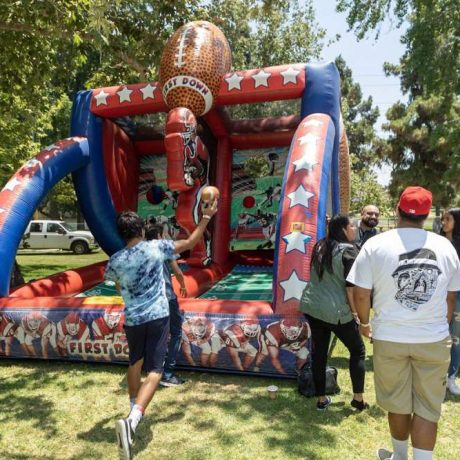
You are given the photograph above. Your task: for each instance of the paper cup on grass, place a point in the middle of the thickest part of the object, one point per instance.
(272, 391)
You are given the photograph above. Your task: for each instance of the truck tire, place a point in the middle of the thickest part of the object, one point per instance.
(80, 247)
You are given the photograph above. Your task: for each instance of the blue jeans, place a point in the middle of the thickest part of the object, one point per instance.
(176, 318)
(455, 333)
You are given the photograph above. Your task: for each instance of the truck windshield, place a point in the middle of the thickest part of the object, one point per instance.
(68, 227)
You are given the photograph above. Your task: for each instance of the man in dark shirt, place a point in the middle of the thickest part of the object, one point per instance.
(367, 225)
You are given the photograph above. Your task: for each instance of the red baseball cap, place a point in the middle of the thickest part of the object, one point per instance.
(416, 201)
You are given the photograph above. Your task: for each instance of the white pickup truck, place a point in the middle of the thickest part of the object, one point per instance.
(56, 234)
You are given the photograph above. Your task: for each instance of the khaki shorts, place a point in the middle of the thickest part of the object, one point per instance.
(410, 378)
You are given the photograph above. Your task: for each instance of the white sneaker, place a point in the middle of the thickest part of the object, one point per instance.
(125, 438)
(384, 454)
(452, 386)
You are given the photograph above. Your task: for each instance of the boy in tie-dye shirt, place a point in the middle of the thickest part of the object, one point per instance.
(137, 269)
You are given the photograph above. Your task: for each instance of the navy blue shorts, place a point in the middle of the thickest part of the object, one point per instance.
(149, 342)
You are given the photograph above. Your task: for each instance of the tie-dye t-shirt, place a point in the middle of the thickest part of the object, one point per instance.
(139, 272)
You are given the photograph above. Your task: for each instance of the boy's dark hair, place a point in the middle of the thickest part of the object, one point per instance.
(412, 217)
(153, 231)
(129, 225)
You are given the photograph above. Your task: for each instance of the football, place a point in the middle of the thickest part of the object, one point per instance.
(209, 194)
(193, 64)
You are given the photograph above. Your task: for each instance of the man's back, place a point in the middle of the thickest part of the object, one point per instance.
(410, 271)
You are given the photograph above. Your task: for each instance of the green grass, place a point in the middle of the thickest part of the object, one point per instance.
(39, 264)
(66, 411)
(54, 410)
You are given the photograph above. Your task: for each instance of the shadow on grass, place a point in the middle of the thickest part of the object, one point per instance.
(221, 409)
(28, 457)
(34, 408)
(292, 423)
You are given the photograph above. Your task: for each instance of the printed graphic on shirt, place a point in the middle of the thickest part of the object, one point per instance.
(416, 278)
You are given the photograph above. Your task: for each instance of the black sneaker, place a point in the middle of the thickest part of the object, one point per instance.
(173, 381)
(323, 405)
(359, 405)
(125, 438)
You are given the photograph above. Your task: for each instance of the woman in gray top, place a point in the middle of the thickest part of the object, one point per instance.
(327, 302)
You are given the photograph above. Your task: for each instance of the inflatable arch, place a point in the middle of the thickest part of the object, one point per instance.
(260, 240)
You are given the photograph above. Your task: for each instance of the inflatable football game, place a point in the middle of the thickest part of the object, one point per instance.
(272, 143)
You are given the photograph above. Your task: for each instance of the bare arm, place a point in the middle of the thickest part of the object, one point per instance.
(362, 301)
(179, 276)
(351, 301)
(451, 300)
(192, 240)
(274, 355)
(187, 350)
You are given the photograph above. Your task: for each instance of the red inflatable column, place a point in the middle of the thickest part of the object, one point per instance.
(221, 231)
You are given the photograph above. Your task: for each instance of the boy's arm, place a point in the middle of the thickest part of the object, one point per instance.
(179, 276)
(192, 240)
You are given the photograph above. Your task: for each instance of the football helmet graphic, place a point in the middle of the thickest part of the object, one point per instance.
(291, 328)
(72, 321)
(33, 321)
(250, 327)
(112, 319)
(198, 326)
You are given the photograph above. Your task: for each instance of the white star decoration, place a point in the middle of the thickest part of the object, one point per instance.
(308, 138)
(307, 161)
(300, 196)
(101, 98)
(261, 78)
(296, 241)
(147, 92)
(12, 184)
(312, 123)
(2, 210)
(290, 76)
(293, 287)
(125, 94)
(234, 82)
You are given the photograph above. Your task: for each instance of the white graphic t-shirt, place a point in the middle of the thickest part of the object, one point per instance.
(410, 271)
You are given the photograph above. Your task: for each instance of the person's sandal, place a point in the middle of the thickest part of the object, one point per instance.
(359, 405)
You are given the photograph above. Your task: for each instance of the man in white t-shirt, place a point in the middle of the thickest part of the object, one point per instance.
(413, 276)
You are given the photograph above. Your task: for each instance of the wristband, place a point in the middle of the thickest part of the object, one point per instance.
(206, 217)
(364, 325)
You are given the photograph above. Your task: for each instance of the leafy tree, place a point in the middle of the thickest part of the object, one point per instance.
(359, 117)
(424, 134)
(432, 38)
(424, 147)
(53, 48)
(365, 190)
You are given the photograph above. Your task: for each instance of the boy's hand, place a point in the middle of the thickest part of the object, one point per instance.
(209, 209)
(183, 291)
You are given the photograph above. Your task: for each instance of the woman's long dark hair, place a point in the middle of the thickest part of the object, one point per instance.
(322, 251)
(455, 213)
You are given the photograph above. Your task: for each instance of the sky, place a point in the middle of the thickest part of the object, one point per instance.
(366, 59)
